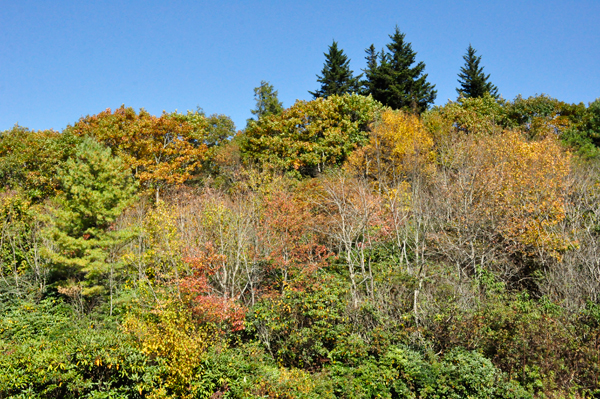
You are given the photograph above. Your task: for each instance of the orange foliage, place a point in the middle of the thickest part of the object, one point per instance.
(527, 186)
(508, 189)
(206, 304)
(288, 237)
(162, 150)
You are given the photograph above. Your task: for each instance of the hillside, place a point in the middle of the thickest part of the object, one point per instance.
(335, 249)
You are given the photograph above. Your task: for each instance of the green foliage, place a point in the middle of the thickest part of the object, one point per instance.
(406, 373)
(535, 342)
(219, 130)
(29, 160)
(392, 79)
(310, 136)
(97, 188)
(542, 115)
(337, 77)
(267, 102)
(248, 371)
(584, 136)
(48, 353)
(576, 125)
(472, 115)
(473, 82)
(302, 327)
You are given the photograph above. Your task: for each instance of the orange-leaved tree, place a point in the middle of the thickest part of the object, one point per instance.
(208, 305)
(527, 185)
(162, 151)
(500, 200)
(287, 236)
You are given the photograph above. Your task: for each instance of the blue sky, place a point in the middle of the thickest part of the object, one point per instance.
(61, 60)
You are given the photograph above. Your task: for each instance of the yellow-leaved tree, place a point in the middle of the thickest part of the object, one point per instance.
(170, 336)
(526, 182)
(398, 149)
(499, 200)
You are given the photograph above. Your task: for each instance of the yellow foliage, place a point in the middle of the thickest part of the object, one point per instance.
(399, 146)
(522, 186)
(162, 257)
(172, 338)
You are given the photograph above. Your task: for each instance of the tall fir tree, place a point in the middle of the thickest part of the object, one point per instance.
(473, 82)
(392, 79)
(267, 102)
(337, 78)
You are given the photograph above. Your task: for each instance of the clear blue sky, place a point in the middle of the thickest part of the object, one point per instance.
(61, 60)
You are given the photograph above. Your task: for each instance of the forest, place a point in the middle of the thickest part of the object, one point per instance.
(364, 244)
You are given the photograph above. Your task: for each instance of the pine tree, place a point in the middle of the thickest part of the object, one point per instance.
(474, 83)
(267, 102)
(392, 79)
(337, 77)
(97, 187)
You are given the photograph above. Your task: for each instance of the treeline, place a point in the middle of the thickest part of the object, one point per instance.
(340, 248)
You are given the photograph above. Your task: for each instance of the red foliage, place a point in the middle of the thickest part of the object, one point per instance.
(206, 303)
(286, 235)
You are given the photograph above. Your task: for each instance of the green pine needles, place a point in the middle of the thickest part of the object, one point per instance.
(96, 188)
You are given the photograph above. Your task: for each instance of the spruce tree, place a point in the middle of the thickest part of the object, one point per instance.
(394, 80)
(474, 83)
(370, 82)
(337, 78)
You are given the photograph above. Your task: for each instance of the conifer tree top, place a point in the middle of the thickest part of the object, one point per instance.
(337, 77)
(393, 78)
(473, 82)
(267, 102)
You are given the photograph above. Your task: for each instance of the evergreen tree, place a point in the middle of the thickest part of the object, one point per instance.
(474, 83)
(337, 77)
(369, 83)
(97, 187)
(392, 79)
(267, 102)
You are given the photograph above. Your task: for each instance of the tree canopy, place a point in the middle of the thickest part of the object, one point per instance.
(162, 151)
(267, 102)
(311, 135)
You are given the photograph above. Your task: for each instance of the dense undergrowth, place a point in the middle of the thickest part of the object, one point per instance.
(338, 249)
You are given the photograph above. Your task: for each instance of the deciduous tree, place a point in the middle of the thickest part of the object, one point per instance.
(162, 151)
(310, 136)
